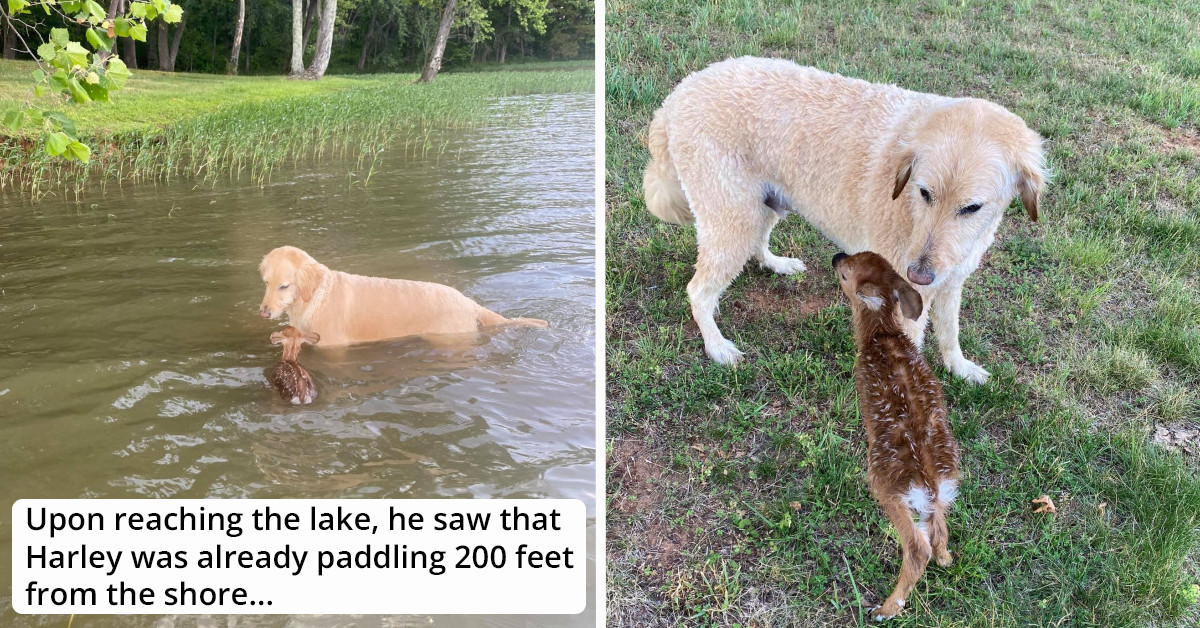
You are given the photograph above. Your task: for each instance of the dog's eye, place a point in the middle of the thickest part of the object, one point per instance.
(969, 209)
(925, 195)
(283, 286)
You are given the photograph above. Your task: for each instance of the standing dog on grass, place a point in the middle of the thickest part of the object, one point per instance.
(919, 178)
(912, 459)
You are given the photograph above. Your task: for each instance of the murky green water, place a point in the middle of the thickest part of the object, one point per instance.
(133, 362)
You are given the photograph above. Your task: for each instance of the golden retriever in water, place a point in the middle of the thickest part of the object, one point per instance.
(921, 179)
(346, 309)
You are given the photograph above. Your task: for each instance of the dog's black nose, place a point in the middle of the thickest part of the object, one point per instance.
(837, 258)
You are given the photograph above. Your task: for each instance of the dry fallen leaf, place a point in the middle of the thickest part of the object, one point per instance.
(795, 506)
(1047, 505)
(1102, 507)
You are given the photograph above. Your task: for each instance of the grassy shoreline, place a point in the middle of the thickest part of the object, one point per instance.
(736, 496)
(164, 125)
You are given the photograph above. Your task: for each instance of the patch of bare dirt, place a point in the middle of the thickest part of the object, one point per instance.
(643, 480)
(791, 300)
(1183, 138)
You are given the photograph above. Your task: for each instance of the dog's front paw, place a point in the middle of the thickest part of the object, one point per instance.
(722, 351)
(968, 370)
(944, 558)
(784, 265)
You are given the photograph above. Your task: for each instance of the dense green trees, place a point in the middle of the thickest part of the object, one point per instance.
(364, 35)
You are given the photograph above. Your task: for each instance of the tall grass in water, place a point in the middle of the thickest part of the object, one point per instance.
(249, 140)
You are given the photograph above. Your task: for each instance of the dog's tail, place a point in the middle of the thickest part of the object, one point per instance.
(660, 185)
(488, 318)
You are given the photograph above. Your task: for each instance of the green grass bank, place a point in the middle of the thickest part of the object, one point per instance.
(736, 497)
(169, 125)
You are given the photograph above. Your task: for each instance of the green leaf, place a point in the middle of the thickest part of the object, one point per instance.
(137, 32)
(79, 151)
(63, 122)
(16, 7)
(38, 76)
(138, 9)
(47, 51)
(78, 93)
(96, 10)
(121, 27)
(59, 80)
(56, 143)
(173, 14)
(96, 91)
(78, 54)
(116, 73)
(59, 36)
(39, 90)
(93, 37)
(13, 119)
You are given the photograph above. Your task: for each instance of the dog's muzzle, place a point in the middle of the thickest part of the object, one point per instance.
(920, 274)
(264, 311)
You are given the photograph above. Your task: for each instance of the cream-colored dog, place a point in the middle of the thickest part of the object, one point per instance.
(921, 179)
(346, 309)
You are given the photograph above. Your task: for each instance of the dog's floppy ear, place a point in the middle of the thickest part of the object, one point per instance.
(1031, 173)
(908, 298)
(312, 337)
(277, 338)
(907, 159)
(308, 277)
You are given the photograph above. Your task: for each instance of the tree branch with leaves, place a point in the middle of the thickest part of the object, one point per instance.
(69, 72)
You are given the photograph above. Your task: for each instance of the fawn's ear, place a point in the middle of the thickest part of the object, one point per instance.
(908, 298)
(277, 338)
(308, 277)
(870, 296)
(312, 338)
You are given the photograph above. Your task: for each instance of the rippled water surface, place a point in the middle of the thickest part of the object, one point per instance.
(133, 363)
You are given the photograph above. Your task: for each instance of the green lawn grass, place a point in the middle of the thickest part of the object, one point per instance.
(737, 496)
(164, 125)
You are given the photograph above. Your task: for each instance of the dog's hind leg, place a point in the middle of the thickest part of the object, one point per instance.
(781, 265)
(727, 234)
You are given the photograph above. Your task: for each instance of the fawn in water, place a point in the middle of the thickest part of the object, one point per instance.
(289, 378)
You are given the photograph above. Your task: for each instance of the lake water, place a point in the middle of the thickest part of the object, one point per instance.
(133, 362)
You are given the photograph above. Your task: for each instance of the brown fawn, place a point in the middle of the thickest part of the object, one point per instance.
(289, 378)
(912, 459)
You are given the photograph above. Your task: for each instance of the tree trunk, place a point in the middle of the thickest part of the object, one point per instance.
(164, 47)
(113, 8)
(237, 37)
(10, 36)
(362, 58)
(314, 9)
(297, 65)
(320, 61)
(175, 42)
(151, 48)
(439, 47)
(130, 54)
